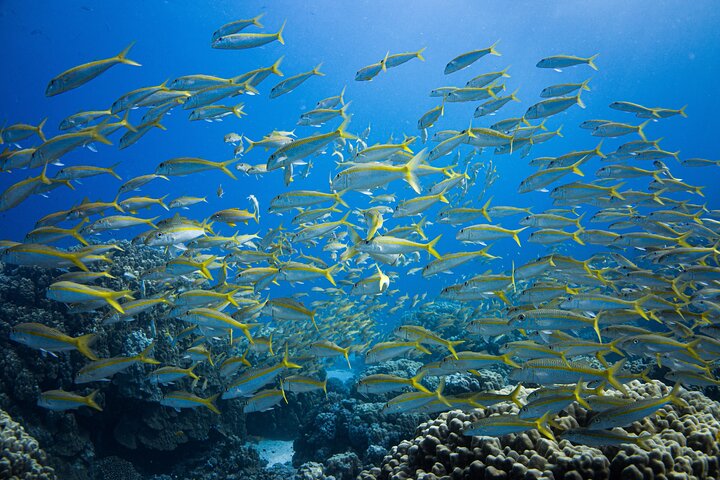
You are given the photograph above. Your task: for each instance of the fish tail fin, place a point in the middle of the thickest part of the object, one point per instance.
(342, 132)
(144, 355)
(493, 51)
(578, 398)
(224, 165)
(316, 70)
(574, 168)
(191, 371)
(674, 395)
(542, 427)
(411, 168)
(516, 237)
(451, 347)
(584, 85)
(39, 128)
(576, 235)
(421, 347)
(112, 301)
(439, 395)
(514, 97)
(484, 211)
(231, 297)
(430, 247)
(75, 259)
(338, 198)
(507, 360)
(122, 56)
(591, 62)
(579, 101)
(346, 354)
(90, 400)
(256, 20)
(515, 396)
(610, 376)
(614, 192)
(597, 150)
(691, 349)
(97, 136)
(682, 111)
(83, 342)
(279, 33)
(682, 239)
(286, 360)
(512, 273)
(75, 232)
(237, 110)
(203, 267)
(210, 403)
(415, 382)
(328, 274)
(274, 68)
(111, 171)
(419, 55)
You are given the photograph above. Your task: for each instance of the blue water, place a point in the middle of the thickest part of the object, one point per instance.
(653, 53)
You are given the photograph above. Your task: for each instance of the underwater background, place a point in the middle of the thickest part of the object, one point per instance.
(664, 54)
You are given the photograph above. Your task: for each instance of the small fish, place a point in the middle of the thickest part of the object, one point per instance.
(291, 83)
(468, 58)
(82, 74)
(499, 425)
(561, 61)
(240, 41)
(181, 399)
(236, 26)
(38, 336)
(60, 400)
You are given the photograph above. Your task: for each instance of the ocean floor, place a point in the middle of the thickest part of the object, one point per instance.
(275, 451)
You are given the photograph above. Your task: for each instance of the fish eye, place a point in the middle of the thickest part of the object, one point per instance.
(636, 341)
(159, 234)
(521, 316)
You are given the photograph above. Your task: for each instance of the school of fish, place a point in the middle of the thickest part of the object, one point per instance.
(648, 288)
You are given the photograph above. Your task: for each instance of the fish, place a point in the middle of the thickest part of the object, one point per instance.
(181, 399)
(369, 72)
(22, 131)
(627, 414)
(241, 41)
(291, 83)
(264, 400)
(604, 438)
(466, 59)
(60, 400)
(71, 292)
(562, 61)
(237, 26)
(42, 337)
(252, 380)
(170, 374)
(107, 367)
(80, 75)
(188, 165)
(303, 384)
(499, 425)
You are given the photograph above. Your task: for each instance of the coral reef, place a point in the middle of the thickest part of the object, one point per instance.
(684, 446)
(350, 425)
(22, 458)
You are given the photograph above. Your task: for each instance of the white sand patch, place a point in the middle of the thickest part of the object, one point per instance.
(275, 451)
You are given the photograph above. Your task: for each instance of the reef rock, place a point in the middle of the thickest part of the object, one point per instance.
(22, 458)
(684, 446)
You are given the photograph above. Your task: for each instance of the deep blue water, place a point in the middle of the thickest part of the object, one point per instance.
(653, 53)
